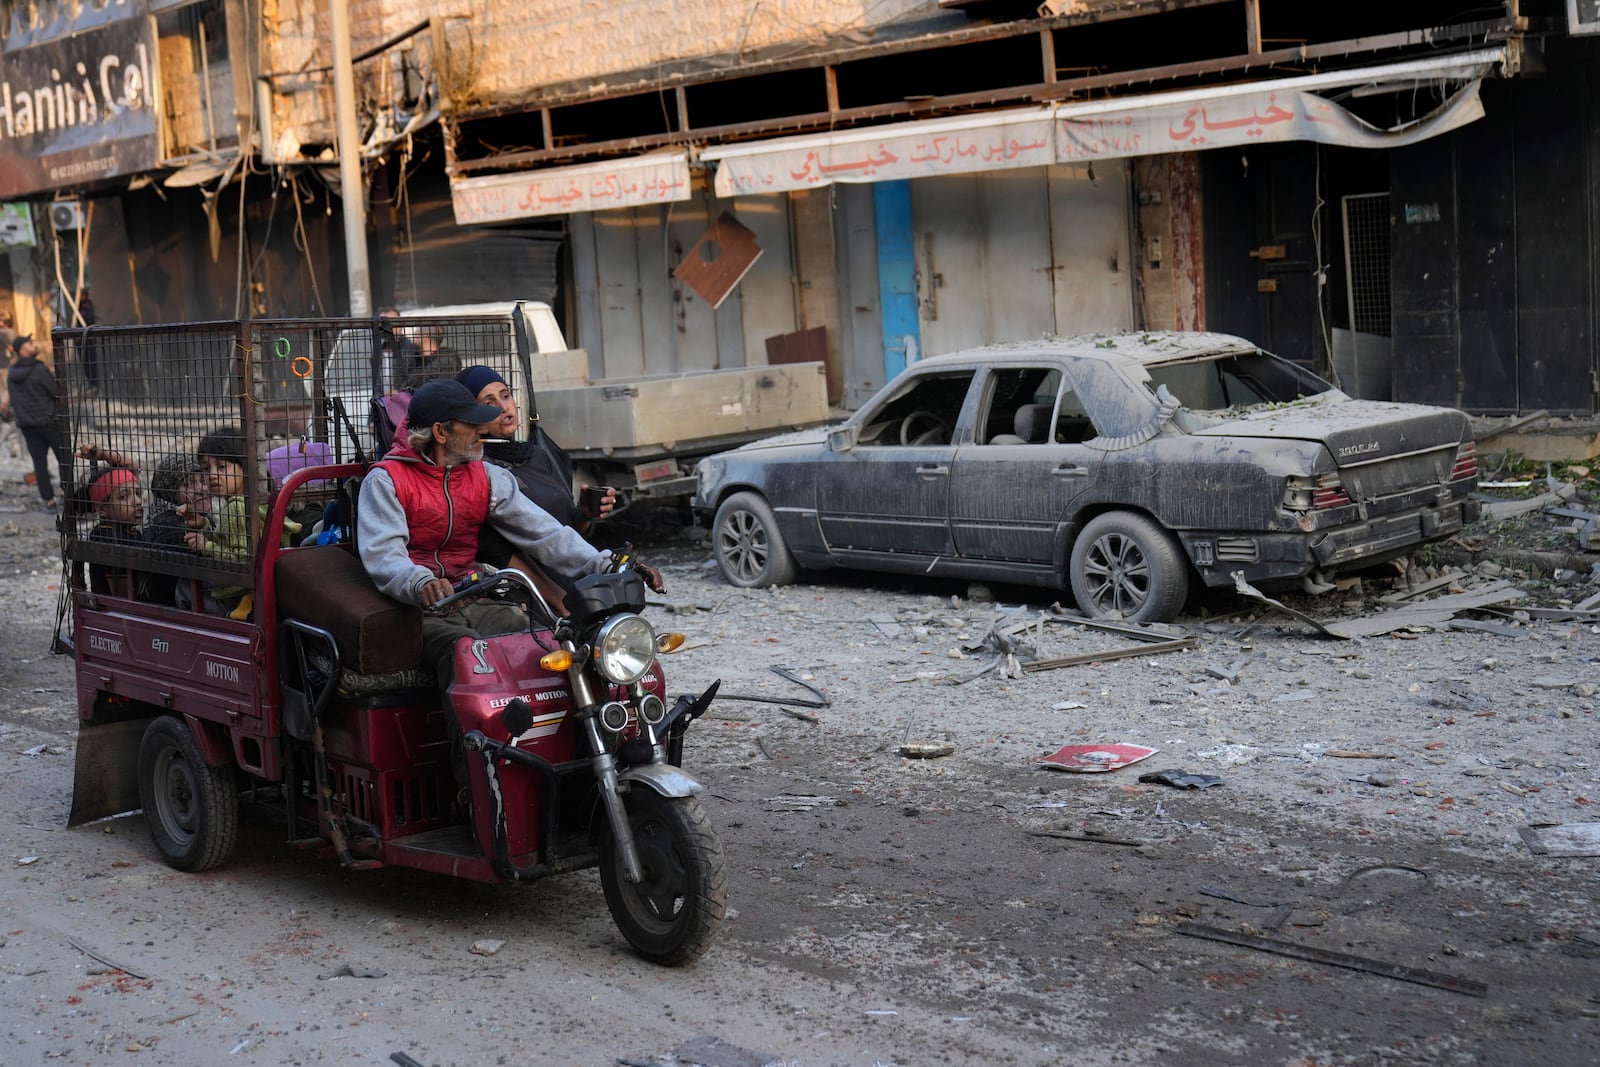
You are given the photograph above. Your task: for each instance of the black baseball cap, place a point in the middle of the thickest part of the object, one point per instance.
(447, 400)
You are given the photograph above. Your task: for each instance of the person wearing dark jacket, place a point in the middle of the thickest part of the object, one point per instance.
(33, 405)
(183, 499)
(544, 474)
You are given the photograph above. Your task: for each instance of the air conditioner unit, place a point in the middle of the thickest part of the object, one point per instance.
(67, 215)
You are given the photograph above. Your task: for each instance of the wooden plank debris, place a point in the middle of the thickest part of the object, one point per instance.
(1434, 613)
(1128, 652)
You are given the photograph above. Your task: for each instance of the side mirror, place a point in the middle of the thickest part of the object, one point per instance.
(842, 440)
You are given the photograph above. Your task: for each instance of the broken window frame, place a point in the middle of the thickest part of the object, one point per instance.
(210, 89)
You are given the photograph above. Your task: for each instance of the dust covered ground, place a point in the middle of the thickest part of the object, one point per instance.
(971, 908)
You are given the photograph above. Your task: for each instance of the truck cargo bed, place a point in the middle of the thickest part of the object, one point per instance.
(663, 414)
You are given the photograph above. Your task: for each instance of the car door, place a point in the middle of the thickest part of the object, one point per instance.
(1012, 486)
(890, 492)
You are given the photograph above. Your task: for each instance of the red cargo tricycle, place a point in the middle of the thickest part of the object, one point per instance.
(316, 705)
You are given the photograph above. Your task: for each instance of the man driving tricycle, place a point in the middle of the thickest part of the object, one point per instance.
(403, 706)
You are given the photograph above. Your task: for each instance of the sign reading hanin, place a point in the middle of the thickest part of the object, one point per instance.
(78, 109)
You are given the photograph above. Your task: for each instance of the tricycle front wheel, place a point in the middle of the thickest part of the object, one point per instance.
(672, 916)
(191, 806)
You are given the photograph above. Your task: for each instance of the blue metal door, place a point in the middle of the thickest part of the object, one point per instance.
(897, 276)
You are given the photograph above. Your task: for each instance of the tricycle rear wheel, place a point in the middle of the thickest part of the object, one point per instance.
(191, 806)
(672, 916)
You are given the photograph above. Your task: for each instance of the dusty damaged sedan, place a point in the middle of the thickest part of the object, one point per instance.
(1125, 468)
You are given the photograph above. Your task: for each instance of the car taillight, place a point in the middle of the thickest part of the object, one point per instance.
(1316, 492)
(1466, 462)
(1329, 493)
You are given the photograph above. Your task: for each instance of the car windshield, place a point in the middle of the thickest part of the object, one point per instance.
(1232, 383)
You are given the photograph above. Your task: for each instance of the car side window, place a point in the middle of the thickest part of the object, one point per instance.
(1029, 405)
(1073, 424)
(924, 414)
(1017, 393)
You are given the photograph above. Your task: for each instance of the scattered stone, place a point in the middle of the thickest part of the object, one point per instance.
(1553, 682)
(487, 947)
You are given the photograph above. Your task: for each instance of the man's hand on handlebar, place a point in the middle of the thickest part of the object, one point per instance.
(651, 576)
(435, 591)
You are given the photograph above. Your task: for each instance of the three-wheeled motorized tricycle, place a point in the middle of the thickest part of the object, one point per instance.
(312, 697)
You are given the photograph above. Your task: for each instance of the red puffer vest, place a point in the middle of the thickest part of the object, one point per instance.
(445, 507)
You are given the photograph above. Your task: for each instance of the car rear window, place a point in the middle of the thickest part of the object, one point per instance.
(1236, 382)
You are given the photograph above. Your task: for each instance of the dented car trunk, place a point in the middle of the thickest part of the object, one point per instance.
(1385, 454)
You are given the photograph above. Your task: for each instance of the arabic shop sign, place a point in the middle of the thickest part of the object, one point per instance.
(653, 179)
(78, 109)
(1024, 139)
(1233, 121)
(1069, 133)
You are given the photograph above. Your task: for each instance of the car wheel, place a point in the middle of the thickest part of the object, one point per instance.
(1125, 566)
(749, 548)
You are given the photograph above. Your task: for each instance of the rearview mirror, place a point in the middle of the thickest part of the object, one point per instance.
(842, 440)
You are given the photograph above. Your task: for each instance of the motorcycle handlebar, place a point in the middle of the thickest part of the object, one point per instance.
(475, 585)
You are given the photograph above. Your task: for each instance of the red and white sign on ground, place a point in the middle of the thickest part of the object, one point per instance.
(1092, 759)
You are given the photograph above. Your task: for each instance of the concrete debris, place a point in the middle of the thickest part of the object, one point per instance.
(1499, 629)
(799, 802)
(486, 947)
(1495, 508)
(1589, 535)
(926, 749)
(1230, 673)
(1552, 682)
(1231, 754)
(1562, 839)
(353, 970)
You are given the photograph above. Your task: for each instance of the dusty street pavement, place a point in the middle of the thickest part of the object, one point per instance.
(973, 908)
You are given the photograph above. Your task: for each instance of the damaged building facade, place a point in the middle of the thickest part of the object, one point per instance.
(1401, 195)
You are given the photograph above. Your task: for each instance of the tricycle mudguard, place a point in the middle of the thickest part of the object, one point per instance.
(105, 776)
(664, 778)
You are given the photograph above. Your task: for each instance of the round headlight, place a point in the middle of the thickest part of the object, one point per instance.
(624, 649)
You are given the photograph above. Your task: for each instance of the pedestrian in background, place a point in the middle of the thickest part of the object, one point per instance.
(33, 405)
(10, 439)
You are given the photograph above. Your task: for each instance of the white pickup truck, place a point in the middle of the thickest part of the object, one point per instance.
(640, 434)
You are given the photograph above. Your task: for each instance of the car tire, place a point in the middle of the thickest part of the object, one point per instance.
(1125, 566)
(749, 548)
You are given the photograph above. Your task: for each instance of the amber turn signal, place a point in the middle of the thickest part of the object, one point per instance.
(668, 642)
(559, 660)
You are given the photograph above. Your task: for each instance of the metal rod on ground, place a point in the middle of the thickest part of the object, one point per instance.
(1397, 971)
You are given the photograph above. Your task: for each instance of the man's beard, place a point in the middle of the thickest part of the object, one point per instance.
(452, 458)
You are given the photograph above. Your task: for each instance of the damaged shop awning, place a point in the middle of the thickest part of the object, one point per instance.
(1284, 109)
(658, 178)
